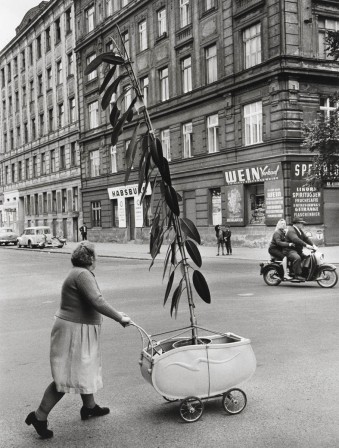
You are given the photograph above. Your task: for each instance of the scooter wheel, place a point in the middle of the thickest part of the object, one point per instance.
(271, 277)
(328, 279)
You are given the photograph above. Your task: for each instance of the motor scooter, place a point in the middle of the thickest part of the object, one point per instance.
(314, 269)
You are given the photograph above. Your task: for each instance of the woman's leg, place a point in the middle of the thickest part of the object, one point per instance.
(49, 400)
(88, 400)
(90, 408)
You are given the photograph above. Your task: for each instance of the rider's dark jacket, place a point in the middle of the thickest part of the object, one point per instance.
(298, 238)
(278, 240)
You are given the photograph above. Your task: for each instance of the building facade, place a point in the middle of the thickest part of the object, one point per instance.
(40, 160)
(229, 85)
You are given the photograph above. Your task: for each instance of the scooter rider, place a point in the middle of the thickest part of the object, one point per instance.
(297, 236)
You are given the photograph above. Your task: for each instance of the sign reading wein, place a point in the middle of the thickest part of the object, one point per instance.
(252, 174)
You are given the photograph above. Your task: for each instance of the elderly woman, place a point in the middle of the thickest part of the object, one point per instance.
(75, 353)
(278, 243)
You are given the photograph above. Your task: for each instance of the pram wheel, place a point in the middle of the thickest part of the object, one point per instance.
(234, 401)
(191, 409)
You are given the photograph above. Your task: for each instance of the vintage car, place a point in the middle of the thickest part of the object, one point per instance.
(8, 236)
(38, 236)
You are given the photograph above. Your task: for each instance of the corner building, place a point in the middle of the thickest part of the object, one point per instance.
(40, 162)
(229, 85)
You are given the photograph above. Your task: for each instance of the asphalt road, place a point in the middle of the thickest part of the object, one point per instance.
(292, 398)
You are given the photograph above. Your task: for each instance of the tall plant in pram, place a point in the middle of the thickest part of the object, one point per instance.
(168, 226)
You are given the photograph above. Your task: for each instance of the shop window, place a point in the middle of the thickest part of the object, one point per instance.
(215, 206)
(115, 213)
(255, 204)
(96, 213)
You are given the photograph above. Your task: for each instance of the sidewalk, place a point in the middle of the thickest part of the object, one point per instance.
(140, 252)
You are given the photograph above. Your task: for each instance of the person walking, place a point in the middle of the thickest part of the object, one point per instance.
(219, 233)
(83, 231)
(278, 244)
(228, 234)
(296, 235)
(75, 350)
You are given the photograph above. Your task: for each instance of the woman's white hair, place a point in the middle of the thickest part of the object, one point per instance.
(281, 224)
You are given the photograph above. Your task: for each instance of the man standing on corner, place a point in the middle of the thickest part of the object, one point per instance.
(83, 231)
(297, 236)
(228, 234)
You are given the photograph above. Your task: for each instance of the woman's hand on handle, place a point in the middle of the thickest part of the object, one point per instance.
(125, 320)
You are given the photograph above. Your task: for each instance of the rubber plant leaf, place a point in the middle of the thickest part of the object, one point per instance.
(155, 224)
(169, 287)
(156, 246)
(114, 115)
(201, 286)
(130, 153)
(120, 124)
(190, 230)
(174, 253)
(175, 298)
(157, 155)
(107, 79)
(106, 99)
(110, 58)
(172, 199)
(193, 252)
(168, 254)
(165, 172)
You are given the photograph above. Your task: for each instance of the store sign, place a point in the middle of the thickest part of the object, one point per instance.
(253, 174)
(139, 212)
(122, 212)
(306, 201)
(235, 210)
(127, 191)
(274, 201)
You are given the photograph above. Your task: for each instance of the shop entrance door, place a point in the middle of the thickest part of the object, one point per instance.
(75, 229)
(331, 216)
(131, 219)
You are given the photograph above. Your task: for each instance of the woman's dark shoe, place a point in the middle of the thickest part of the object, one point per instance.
(97, 411)
(40, 426)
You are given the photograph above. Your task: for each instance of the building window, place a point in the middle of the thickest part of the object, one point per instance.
(6, 175)
(44, 203)
(253, 123)
(49, 78)
(48, 39)
(93, 112)
(26, 169)
(24, 97)
(31, 88)
(325, 25)
(23, 61)
(165, 142)
(73, 154)
(59, 72)
(33, 128)
(96, 214)
(211, 64)
(127, 98)
(9, 72)
(95, 163)
(109, 7)
(215, 206)
(185, 14)
(125, 38)
(144, 84)
(40, 89)
(15, 61)
(164, 87)
(50, 120)
(38, 47)
(327, 107)
(68, 15)
(3, 78)
(35, 166)
(57, 31)
(54, 201)
(62, 158)
(61, 115)
(41, 124)
(16, 101)
(75, 199)
(11, 139)
(142, 35)
(70, 65)
(162, 22)
(36, 204)
(72, 110)
(186, 74)
(187, 140)
(28, 205)
(212, 133)
(252, 45)
(43, 163)
(18, 135)
(208, 4)
(26, 132)
(64, 200)
(13, 172)
(114, 166)
(10, 105)
(52, 161)
(94, 73)
(90, 19)
(30, 54)
(19, 170)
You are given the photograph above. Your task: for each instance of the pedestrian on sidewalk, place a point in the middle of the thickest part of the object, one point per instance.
(75, 351)
(83, 231)
(228, 234)
(219, 233)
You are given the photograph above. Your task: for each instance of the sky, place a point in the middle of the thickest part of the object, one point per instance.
(11, 14)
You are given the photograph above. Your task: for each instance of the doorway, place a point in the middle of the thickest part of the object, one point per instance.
(131, 220)
(75, 230)
(64, 228)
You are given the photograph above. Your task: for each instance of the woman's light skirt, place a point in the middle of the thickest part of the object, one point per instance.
(75, 357)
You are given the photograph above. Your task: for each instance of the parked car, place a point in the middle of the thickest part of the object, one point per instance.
(38, 236)
(8, 236)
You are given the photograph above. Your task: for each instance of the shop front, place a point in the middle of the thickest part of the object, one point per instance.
(10, 210)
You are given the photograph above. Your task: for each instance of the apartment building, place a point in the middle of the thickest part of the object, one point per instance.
(39, 131)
